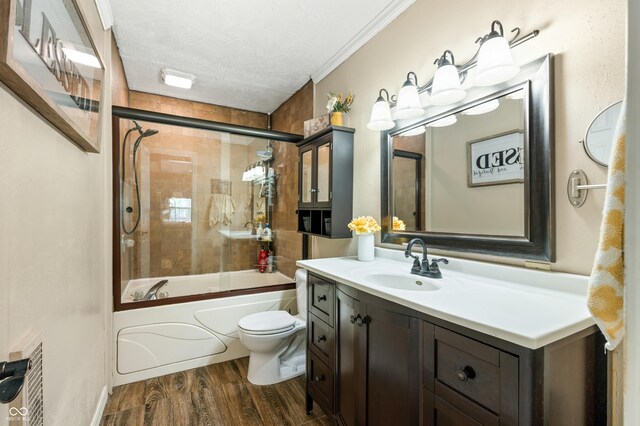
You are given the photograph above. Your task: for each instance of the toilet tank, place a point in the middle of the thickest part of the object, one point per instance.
(301, 292)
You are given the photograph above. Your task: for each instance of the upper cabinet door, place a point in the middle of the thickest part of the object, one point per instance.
(323, 184)
(306, 178)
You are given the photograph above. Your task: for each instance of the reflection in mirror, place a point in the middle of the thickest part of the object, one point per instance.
(466, 173)
(599, 137)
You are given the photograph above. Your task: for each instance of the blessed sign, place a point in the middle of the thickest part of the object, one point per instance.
(497, 160)
(47, 57)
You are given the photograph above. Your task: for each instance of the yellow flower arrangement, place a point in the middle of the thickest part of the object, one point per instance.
(364, 225)
(398, 224)
(261, 218)
(336, 102)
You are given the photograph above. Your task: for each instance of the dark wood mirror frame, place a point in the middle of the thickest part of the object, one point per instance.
(538, 243)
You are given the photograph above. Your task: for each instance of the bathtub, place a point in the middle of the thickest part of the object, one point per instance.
(205, 283)
(159, 340)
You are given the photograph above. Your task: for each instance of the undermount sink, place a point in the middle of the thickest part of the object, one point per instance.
(402, 282)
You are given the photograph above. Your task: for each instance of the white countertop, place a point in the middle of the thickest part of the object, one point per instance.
(528, 307)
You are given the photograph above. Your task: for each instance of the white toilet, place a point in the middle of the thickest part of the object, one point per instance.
(277, 340)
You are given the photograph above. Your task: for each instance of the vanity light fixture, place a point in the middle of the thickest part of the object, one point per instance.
(408, 105)
(444, 122)
(81, 58)
(446, 87)
(495, 65)
(179, 79)
(381, 114)
(495, 62)
(482, 108)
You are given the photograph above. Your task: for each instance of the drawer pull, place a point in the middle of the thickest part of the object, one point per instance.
(322, 298)
(464, 374)
(322, 338)
(319, 378)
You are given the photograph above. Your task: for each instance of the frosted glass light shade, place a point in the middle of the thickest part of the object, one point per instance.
(414, 132)
(408, 105)
(380, 116)
(495, 63)
(444, 122)
(446, 87)
(482, 108)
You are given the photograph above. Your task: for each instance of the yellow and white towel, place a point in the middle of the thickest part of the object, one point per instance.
(606, 286)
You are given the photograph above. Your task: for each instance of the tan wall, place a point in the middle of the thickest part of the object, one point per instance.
(456, 207)
(55, 248)
(587, 38)
(289, 117)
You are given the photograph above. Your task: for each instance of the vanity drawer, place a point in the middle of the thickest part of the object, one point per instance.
(454, 410)
(480, 372)
(320, 381)
(321, 298)
(320, 339)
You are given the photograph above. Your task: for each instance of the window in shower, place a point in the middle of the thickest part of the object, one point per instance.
(179, 210)
(187, 213)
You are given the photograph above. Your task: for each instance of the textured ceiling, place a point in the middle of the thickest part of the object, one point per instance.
(248, 54)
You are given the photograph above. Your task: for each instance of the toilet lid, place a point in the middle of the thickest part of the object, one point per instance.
(269, 322)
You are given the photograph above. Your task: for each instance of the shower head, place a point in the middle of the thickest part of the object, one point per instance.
(144, 134)
(137, 126)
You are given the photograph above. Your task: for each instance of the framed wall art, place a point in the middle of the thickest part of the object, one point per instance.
(496, 160)
(49, 60)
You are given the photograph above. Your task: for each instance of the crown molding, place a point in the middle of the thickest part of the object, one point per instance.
(384, 18)
(104, 10)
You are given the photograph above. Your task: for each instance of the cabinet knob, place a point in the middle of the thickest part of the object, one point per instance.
(464, 374)
(322, 298)
(322, 338)
(352, 319)
(319, 378)
(359, 321)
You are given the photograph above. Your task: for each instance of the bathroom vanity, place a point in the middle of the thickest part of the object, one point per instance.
(486, 344)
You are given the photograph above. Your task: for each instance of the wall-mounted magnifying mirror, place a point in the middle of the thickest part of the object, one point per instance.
(599, 137)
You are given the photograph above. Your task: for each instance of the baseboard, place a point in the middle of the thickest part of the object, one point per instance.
(102, 402)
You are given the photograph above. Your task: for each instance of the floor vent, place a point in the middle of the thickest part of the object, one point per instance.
(28, 408)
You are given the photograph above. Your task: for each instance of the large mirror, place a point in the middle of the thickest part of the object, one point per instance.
(476, 176)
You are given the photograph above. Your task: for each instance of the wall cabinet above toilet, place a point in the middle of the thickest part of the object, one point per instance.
(325, 183)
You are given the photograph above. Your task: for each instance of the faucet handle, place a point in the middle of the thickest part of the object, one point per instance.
(435, 261)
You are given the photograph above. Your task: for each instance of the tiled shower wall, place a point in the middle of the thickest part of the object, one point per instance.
(289, 117)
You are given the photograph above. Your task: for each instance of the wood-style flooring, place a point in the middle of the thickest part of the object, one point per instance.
(218, 394)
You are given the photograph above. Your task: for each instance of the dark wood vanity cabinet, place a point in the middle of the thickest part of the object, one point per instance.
(365, 373)
(374, 362)
(325, 183)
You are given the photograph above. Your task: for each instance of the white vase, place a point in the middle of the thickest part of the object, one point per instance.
(366, 245)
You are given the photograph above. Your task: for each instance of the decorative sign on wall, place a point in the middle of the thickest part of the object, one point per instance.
(47, 57)
(496, 160)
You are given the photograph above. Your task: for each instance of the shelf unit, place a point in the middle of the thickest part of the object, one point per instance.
(325, 183)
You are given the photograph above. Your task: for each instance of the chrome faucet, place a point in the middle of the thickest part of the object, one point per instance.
(152, 294)
(423, 268)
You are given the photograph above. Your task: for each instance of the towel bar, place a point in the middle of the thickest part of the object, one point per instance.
(578, 187)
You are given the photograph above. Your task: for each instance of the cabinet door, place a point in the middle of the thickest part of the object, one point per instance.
(349, 388)
(393, 368)
(305, 197)
(323, 182)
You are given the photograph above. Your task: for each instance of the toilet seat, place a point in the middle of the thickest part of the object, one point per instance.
(270, 322)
